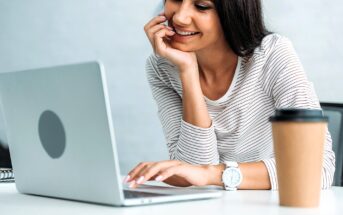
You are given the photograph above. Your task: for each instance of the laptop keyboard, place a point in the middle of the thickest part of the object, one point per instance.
(129, 194)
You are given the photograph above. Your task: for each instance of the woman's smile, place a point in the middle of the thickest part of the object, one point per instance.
(184, 32)
(184, 36)
(195, 28)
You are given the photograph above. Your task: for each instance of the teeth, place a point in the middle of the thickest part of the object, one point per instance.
(184, 33)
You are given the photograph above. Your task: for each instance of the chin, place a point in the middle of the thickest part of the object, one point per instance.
(184, 47)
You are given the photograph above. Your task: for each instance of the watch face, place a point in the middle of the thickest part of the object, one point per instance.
(232, 177)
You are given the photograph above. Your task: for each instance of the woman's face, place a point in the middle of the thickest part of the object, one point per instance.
(195, 22)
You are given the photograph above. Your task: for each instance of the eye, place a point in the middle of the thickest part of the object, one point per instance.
(202, 7)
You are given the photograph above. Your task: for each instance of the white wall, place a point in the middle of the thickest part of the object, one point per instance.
(38, 33)
(315, 27)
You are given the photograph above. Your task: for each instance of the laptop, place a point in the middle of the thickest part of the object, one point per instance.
(59, 126)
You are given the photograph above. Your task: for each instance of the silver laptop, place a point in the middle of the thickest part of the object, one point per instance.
(61, 138)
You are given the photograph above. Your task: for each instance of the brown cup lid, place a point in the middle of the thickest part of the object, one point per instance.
(299, 115)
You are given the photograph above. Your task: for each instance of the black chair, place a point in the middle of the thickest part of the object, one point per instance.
(335, 113)
(5, 159)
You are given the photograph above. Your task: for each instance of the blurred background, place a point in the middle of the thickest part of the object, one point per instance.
(40, 33)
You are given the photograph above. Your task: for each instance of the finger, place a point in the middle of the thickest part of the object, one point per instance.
(159, 42)
(138, 176)
(135, 180)
(160, 165)
(151, 171)
(133, 173)
(155, 21)
(152, 31)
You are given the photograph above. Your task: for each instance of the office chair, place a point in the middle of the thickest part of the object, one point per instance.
(335, 113)
(5, 159)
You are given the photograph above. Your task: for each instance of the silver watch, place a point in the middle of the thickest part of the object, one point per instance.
(232, 176)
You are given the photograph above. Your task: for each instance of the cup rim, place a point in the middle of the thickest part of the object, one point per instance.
(299, 115)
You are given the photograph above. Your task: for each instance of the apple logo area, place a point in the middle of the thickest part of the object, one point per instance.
(52, 134)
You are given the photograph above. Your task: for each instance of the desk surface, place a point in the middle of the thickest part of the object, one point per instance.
(238, 202)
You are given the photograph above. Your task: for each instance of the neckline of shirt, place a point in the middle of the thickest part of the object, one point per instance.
(229, 91)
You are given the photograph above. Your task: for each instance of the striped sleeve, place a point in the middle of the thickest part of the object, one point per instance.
(291, 89)
(185, 141)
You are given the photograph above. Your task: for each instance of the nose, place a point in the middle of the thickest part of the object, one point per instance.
(183, 15)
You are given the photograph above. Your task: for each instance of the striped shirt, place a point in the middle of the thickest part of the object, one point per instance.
(271, 78)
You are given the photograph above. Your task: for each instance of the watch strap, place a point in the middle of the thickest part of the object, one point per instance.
(230, 164)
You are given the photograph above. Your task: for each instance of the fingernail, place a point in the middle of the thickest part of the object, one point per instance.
(158, 178)
(127, 178)
(140, 180)
(170, 28)
(132, 184)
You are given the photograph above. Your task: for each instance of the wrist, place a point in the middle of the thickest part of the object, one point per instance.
(215, 174)
(190, 76)
(188, 68)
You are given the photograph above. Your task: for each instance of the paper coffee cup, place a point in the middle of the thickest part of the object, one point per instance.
(299, 136)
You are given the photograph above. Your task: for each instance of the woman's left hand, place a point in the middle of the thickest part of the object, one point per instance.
(172, 172)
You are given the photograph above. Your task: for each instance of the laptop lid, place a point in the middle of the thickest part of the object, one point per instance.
(60, 133)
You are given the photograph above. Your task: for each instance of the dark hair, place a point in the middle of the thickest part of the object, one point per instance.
(242, 23)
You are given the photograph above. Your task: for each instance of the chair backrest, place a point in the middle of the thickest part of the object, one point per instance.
(5, 160)
(335, 113)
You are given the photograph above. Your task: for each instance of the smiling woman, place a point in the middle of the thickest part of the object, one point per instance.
(217, 75)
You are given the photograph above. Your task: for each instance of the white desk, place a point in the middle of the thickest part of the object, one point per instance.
(232, 203)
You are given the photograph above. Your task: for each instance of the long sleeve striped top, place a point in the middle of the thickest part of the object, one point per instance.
(271, 78)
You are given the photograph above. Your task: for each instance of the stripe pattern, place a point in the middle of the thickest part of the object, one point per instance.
(271, 78)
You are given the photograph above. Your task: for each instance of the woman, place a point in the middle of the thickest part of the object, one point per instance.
(217, 75)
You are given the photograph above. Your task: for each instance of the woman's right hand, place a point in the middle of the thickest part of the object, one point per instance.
(160, 35)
